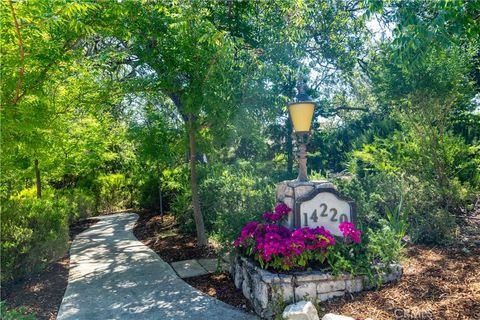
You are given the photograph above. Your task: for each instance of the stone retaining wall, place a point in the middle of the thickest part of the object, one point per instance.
(268, 291)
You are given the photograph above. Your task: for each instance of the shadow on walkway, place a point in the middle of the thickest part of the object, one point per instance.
(114, 276)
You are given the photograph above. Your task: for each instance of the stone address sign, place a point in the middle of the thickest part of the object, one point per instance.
(323, 207)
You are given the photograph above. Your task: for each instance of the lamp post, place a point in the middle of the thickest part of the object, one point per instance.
(301, 112)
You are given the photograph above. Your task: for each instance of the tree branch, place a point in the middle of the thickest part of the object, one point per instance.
(350, 109)
(66, 47)
(21, 50)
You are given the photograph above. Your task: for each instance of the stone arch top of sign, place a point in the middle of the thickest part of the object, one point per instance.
(315, 203)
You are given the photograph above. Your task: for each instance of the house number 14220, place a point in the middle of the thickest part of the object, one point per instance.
(332, 212)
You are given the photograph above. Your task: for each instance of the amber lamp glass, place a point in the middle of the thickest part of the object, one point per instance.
(302, 115)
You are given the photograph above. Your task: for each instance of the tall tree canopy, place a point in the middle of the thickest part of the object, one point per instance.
(181, 105)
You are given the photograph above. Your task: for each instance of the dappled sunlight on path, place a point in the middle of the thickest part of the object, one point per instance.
(114, 276)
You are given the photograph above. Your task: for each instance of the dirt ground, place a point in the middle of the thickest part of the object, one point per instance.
(221, 287)
(438, 283)
(166, 241)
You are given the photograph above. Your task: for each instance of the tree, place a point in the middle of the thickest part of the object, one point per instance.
(158, 133)
(27, 61)
(190, 61)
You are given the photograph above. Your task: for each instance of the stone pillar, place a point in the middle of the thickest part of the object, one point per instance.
(289, 192)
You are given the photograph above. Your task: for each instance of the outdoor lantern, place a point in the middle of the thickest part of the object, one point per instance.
(301, 112)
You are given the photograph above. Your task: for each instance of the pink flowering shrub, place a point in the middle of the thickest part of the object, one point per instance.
(279, 247)
(350, 232)
(281, 210)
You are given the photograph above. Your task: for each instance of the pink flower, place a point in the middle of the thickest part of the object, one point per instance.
(276, 245)
(350, 232)
(281, 210)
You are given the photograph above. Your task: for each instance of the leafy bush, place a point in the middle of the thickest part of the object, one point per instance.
(85, 202)
(34, 233)
(14, 314)
(112, 192)
(178, 195)
(422, 214)
(81, 203)
(229, 196)
(233, 195)
(434, 227)
(373, 193)
(434, 185)
(384, 245)
(148, 192)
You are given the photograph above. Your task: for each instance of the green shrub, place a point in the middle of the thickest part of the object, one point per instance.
(436, 184)
(148, 192)
(233, 196)
(433, 227)
(181, 207)
(384, 245)
(85, 201)
(14, 314)
(34, 233)
(423, 204)
(81, 203)
(112, 192)
(230, 195)
(372, 194)
(177, 194)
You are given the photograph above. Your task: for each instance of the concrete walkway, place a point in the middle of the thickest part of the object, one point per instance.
(114, 276)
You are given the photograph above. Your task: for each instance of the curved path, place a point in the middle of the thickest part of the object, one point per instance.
(114, 276)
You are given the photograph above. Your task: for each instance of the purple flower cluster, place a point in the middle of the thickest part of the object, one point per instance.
(281, 210)
(281, 247)
(248, 232)
(350, 232)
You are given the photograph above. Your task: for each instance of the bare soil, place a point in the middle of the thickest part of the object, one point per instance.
(438, 283)
(165, 239)
(221, 286)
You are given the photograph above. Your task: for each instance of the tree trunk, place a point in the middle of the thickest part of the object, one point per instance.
(37, 180)
(160, 198)
(289, 146)
(201, 236)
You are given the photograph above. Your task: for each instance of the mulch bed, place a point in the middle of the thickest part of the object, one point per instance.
(438, 283)
(42, 293)
(166, 241)
(221, 287)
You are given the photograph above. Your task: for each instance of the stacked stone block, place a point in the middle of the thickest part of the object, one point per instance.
(267, 291)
